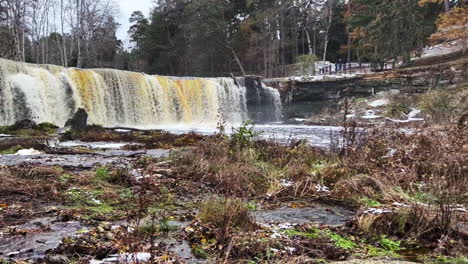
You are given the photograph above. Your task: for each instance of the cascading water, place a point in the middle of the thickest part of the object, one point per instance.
(263, 102)
(47, 93)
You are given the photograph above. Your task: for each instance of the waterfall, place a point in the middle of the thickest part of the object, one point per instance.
(47, 93)
(263, 102)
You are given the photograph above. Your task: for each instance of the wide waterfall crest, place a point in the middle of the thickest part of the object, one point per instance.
(47, 93)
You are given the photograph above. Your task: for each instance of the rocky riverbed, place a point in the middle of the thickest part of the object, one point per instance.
(119, 196)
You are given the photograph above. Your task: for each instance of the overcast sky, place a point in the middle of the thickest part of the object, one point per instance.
(126, 9)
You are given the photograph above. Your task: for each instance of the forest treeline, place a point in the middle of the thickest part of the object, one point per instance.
(220, 37)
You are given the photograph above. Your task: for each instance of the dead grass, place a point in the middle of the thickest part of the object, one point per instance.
(252, 171)
(426, 170)
(225, 214)
(31, 182)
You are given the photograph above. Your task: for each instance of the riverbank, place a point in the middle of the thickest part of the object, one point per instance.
(395, 97)
(234, 198)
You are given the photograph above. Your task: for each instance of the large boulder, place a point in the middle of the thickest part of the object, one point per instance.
(23, 124)
(78, 121)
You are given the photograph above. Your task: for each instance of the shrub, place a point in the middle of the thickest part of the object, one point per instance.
(437, 105)
(398, 107)
(306, 64)
(243, 136)
(47, 127)
(226, 214)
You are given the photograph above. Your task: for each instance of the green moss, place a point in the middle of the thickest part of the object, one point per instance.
(312, 234)
(3, 130)
(48, 128)
(199, 252)
(100, 209)
(65, 178)
(445, 260)
(11, 150)
(340, 241)
(373, 251)
(165, 227)
(369, 202)
(389, 244)
(102, 174)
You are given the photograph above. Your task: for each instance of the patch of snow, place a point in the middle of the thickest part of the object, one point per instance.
(414, 112)
(321, 188)
(316, 78)
(412, 116)
(390, 153)
(286, 183)
(124, 258)
(370, 114)
(442, 49)
(379, 102)
(290, 249)
(274, 250)
(377, 211)
(28, 152)
(400, 204)
(96, 201)
(5, 135)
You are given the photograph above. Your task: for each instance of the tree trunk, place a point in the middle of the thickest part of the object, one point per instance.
(237, 60)
(348, 32)
(447, 6)
(65, 60)
(330, 16)
(309, 41)
(78, 38)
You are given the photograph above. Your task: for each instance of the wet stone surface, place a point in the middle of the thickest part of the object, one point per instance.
(82, 160)
(319, 214)
(37, 236)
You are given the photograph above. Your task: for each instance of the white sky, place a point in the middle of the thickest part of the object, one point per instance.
(126, 9)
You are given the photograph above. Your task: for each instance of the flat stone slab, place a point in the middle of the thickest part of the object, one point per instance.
(318, 214)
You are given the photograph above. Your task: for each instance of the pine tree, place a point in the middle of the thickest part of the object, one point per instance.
(384, 30)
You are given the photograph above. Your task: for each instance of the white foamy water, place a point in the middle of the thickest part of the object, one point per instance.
(113, 98)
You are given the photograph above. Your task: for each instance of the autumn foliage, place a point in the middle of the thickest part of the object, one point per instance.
(451, 24)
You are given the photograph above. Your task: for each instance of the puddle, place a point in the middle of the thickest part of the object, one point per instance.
(319, 214)
(34, 245)
(177, 246)
(156, 153)
(182, 249)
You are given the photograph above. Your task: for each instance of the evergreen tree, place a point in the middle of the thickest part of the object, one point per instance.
(385, 30)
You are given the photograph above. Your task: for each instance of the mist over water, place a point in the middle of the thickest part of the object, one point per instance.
(47, 93)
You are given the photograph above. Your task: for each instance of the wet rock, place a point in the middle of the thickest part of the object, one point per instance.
(23, 124)
(79, 120)
(13, 254)
(320, 214)
(56, 259)
(63, 130)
